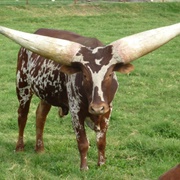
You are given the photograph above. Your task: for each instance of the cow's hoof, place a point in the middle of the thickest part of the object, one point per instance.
(85, 168)
(101, 163)
(19, 149)
(39, 149)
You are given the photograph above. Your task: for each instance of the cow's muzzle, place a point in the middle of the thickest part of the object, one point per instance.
(98, 109)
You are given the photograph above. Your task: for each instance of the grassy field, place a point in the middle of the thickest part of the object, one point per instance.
(143, 139)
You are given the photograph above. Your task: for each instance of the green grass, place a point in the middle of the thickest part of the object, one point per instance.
(143, 137)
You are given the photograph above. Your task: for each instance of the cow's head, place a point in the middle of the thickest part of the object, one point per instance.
(97, 65)
(99, 82)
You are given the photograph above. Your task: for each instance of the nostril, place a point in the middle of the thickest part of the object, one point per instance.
(97, 109)
(102, 108)
(92, 109)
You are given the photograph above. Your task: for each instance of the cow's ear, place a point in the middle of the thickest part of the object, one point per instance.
(69, 69)
(124, 68)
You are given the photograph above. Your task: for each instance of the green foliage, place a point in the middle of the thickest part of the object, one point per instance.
(143, 137)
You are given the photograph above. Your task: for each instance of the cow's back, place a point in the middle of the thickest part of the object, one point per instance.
(67, 35)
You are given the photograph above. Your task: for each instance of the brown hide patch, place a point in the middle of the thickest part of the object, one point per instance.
(69, 69)
(124, 68)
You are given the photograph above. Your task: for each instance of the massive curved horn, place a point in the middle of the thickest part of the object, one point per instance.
(59, 50)
(135, 46)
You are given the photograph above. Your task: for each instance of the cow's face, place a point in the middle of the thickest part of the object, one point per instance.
(99, 80)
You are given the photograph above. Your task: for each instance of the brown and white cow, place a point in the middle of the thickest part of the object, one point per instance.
(76, 74)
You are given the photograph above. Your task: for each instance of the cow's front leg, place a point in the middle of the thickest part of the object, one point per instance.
(83, 147)
(101, 145)
(41, 114)
(82, 142)
(101, 130)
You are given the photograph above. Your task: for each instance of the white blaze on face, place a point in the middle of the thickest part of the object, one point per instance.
(97, 79)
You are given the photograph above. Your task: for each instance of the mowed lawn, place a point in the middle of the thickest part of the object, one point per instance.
(143, 139)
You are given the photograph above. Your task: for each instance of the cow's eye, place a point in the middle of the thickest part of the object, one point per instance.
(84, 76)
(110, 75)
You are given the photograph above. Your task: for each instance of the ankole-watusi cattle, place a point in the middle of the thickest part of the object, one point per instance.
(77, 74)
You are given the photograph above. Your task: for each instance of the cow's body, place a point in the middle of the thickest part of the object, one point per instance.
(74, 92)
(79, 78)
